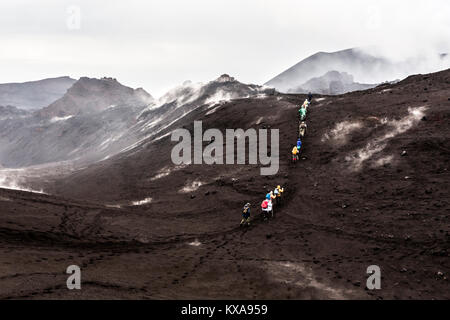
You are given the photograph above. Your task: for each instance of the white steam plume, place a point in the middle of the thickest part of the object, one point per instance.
(378, 144)
(12, 179)
(339, 134)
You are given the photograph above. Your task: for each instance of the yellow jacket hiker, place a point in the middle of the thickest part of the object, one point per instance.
(280, 190)
(295, 154)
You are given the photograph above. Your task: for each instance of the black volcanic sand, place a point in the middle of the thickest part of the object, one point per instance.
(336, 220)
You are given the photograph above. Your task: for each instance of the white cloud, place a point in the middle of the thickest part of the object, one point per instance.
(157, 44)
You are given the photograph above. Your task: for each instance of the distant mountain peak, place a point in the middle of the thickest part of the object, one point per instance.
(366, 65)
(90, 95)
(353, 61)
(331, 83)
(225, 78)
(334, 75)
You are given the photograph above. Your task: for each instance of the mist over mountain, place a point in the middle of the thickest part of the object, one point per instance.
(185, 98)
(98, 118)
(34, 94)
(11, 112)
(331, 83)
(368, 65)
(82, 125)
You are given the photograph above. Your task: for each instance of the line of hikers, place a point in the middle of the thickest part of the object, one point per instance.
(273, 197)
(302, 112)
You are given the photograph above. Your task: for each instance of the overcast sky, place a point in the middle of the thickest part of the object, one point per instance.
(158, 44)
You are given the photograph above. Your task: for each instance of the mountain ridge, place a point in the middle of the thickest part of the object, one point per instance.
(364, 64)
(89, 95)
(99, 118)
(32, 95)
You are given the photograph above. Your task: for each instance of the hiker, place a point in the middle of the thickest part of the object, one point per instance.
(299, 144)
(302, 113)
(306, 104)
(246, 215)
(272, 197)
(276, 193)
(309, 97)
(264, 209)
(294, 154)
(302, 129)
(280, 193)
(270, 213)
(280, 190)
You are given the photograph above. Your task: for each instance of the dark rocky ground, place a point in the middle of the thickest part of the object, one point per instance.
(346, 207)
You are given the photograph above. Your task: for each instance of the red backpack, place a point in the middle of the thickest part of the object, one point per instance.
(265, 204)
